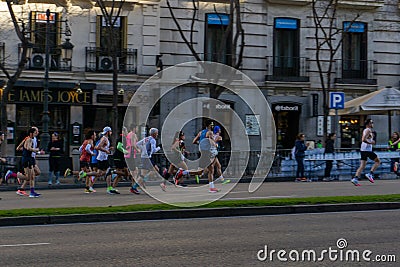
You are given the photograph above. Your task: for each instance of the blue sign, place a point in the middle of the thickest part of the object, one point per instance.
(336, 100)
(354, 26)
(285, 23)
(217, 19)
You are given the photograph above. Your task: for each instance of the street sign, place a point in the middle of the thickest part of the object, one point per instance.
(336, 100)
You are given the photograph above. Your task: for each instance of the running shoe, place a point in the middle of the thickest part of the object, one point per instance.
(8, 173)
(355, 181)
(115, 191)
(91, 189)
(163, 187)
(226, 181)
(197, 179)
(82, 174)
(58, 183)
(110, 192)
(87, 191)
(21, 192)
(303, 179)
(134, 191)
(34, 194)
(370, 177)
(67, 172)
(213, 190)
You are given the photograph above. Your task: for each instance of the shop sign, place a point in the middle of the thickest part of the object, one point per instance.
(286, 107)
(67, 96)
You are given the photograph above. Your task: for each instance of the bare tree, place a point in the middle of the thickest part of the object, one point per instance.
(111, 11)
(12, 76)
(234, 26)
(328, 40)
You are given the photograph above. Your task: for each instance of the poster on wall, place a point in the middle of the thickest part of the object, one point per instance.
(252, 126)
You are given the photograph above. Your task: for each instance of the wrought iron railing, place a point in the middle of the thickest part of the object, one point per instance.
(38, 59)
(288, 69)
(356, 71)
(99, 60)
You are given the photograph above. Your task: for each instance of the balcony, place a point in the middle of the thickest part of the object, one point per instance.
(355, 72)
(287, 69)
(98, 60)
(38, 59)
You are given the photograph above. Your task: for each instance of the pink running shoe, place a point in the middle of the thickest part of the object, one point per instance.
(370, 177)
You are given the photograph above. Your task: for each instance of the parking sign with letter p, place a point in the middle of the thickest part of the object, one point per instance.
(336, 100)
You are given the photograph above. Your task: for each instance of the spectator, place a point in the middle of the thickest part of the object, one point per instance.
(329, 149)
(56, 151)
(300, 148)
(394, 145)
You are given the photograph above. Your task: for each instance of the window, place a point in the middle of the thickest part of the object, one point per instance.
(38, 23)
(118, 32)
(354, 50)
(217, 42)
(286, 47)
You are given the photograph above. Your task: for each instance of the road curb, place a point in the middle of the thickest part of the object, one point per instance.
(195, 213)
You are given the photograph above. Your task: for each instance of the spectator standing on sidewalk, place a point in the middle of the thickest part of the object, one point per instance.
(56, 152)
(300, 149)
(394, 145)
(329, 149)
(368, 139)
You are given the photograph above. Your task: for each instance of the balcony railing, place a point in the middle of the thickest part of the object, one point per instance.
(350, 71)
(38, 59)
(287, 69)
(98, 60)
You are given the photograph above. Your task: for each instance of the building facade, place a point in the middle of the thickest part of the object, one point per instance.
(279, 56)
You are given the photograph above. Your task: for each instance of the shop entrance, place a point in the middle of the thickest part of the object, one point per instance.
(287, 116)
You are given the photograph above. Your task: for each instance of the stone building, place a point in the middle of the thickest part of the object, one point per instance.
(279, 56)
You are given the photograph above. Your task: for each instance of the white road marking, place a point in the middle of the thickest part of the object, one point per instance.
(22, 245)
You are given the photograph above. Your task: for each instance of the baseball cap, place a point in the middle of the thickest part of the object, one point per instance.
(107, 129)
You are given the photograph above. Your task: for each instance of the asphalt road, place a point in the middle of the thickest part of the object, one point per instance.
(76, 197)
(234, 241)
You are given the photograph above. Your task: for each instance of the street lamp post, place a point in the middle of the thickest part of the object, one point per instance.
(66, 53)
(45, 137)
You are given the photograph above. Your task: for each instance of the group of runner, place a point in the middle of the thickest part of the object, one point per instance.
(128, 149)
(94, 159)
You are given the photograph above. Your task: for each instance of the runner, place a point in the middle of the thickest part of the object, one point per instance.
(218, 140)
(104, 150)
(119, 159)
(132, 156)
(148, 147)
(84, 161)
(28, 160)
(208, 150)
(366, 152)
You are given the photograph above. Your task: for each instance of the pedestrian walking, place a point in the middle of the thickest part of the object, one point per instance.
(56, 152)
(329, 150)
(299, 153)
(368, 140)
